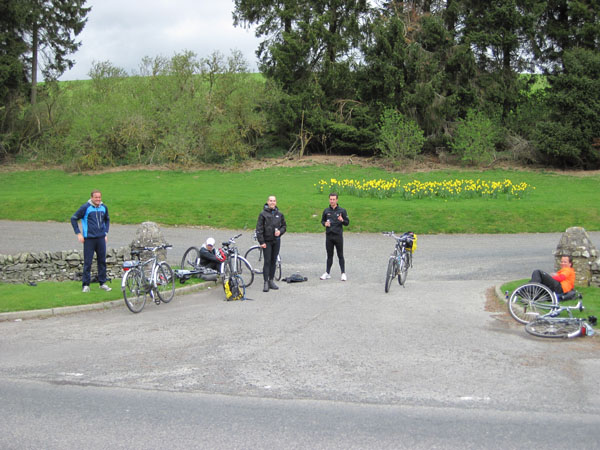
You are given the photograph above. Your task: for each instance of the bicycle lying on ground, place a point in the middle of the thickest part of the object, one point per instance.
(147, 278)
(401, 258)
(255, 255)
(537, 307)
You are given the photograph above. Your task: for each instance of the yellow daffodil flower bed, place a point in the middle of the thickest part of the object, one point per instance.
(447, 189)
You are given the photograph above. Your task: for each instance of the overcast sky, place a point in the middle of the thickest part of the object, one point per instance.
(124, 31)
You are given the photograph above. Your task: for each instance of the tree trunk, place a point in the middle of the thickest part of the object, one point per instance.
(34, 63)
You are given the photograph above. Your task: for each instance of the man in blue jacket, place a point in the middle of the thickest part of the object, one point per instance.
(94, 223)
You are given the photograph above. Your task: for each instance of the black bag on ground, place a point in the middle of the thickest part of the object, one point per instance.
(295, 278)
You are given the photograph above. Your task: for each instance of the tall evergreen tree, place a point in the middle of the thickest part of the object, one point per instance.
(500, 32)
(570, 137)
(12, 47)
(307, 50)
(565, 25)
(50, 30)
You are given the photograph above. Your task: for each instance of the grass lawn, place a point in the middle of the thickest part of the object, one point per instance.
(229, 199)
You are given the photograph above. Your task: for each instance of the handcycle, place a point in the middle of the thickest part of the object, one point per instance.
(255, 255)
(537, 307)
(236, 271)
(151, 277)
(401, 258)
(190, 264)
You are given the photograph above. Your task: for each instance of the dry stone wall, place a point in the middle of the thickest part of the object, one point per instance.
(68, 265)
(57, 266)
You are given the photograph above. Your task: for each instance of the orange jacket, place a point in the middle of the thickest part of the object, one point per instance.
(566, 277)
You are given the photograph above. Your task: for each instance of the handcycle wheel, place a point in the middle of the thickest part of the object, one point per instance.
(191, 259)
(134, 290)
(391, 273)
(555, 327)
(165, 282)
(403, 269)
(278, 269)
(254, 256)
(529, 301)
(244, 270)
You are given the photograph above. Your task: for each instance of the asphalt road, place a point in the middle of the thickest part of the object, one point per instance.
(278, 368)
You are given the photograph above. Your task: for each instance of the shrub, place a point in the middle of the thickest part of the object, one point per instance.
(399, 137)
(475, 138)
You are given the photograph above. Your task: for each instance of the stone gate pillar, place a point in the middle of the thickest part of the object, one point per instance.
(149, 234)
(576, 243)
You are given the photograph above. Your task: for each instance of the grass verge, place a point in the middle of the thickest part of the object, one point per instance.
(46, 295)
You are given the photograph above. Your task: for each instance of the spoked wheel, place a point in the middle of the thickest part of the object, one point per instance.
(555, 327)
(403, 269)
(191, 259)
(391, 273)
(134, 290)
(530, 301)
(255, 257)
(225, 272)
(244, 269)
(278, 269)
(165, 282)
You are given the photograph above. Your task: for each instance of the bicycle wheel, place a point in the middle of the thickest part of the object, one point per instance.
(244, 270)
(225, 272)
(165, 282)
(529, 301)
(555, 327)
(278, 269)
(391, 273)
(254, 256)
(191, 259)
(403, 269)
(134, 291)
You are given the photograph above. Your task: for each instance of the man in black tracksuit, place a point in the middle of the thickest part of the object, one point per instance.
(334, 219)
(269, 228)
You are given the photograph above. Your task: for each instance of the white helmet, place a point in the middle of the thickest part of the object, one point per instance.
(210, 241)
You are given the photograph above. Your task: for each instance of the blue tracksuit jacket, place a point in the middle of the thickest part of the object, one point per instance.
(94, 221)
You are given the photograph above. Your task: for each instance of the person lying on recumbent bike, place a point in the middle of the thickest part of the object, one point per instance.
(561, 282)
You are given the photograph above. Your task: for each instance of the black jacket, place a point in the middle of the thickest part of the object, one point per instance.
(336, 227)
(208, 258)
(268, 220)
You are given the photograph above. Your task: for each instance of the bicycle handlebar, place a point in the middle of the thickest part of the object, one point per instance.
(151, 249)
(230, 241)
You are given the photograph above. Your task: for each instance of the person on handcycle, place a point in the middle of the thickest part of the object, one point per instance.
(208, 255)
(561, 282)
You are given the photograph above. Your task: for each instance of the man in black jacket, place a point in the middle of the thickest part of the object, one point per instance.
(334, 219)
(269, 228)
